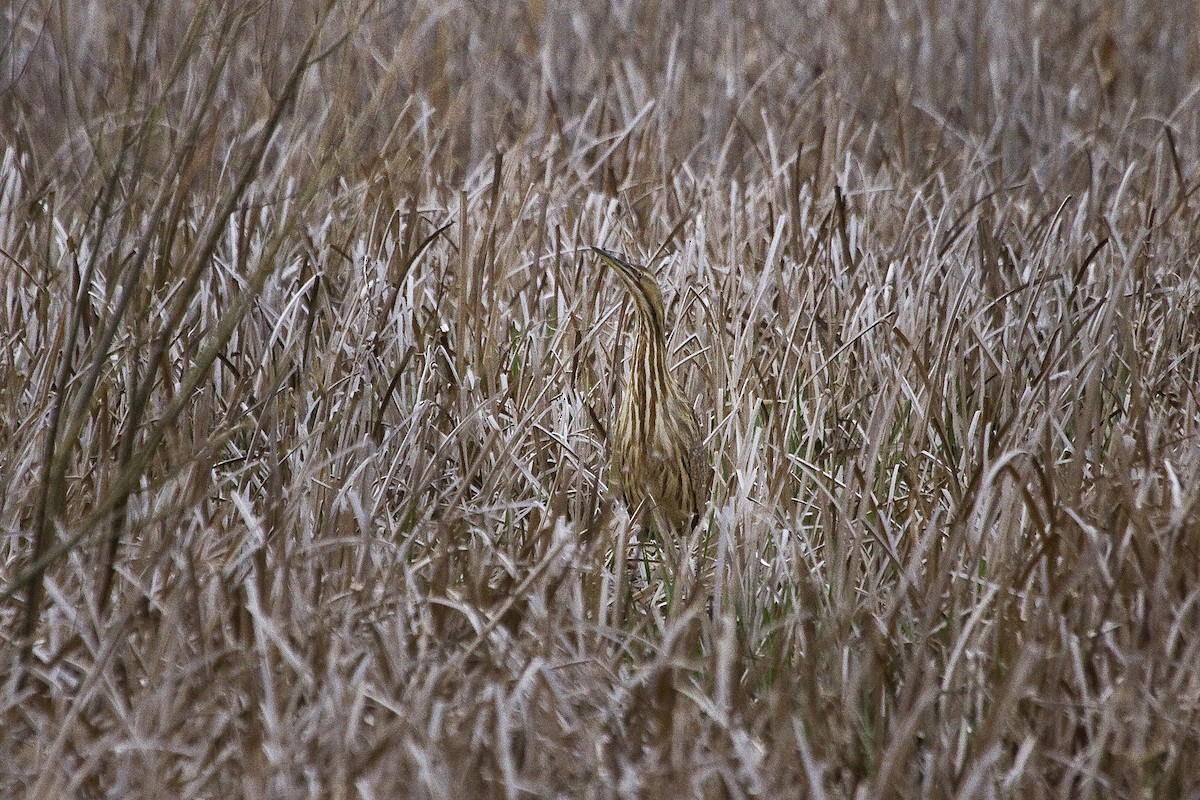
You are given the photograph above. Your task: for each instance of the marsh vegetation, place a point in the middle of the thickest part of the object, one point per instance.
(305, 377)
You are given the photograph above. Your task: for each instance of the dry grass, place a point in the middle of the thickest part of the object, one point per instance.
(305, 370)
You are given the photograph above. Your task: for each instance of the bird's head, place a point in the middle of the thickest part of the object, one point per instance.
(641, 285)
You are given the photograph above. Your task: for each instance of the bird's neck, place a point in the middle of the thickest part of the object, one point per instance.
(647, 376)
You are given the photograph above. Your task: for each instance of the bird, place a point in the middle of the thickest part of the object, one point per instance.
(659, 463)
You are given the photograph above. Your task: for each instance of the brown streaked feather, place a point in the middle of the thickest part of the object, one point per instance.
(658, 460)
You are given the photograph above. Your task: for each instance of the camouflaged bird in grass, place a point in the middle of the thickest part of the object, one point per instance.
(659, 464)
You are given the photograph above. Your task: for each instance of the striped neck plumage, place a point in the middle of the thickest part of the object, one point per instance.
(648, 376)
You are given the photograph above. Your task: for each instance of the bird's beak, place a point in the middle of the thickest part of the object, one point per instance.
(606, 255)
(613, 260)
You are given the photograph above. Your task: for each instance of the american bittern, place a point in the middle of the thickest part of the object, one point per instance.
(658, 458)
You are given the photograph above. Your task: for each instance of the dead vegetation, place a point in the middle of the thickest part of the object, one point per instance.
(304, 381)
